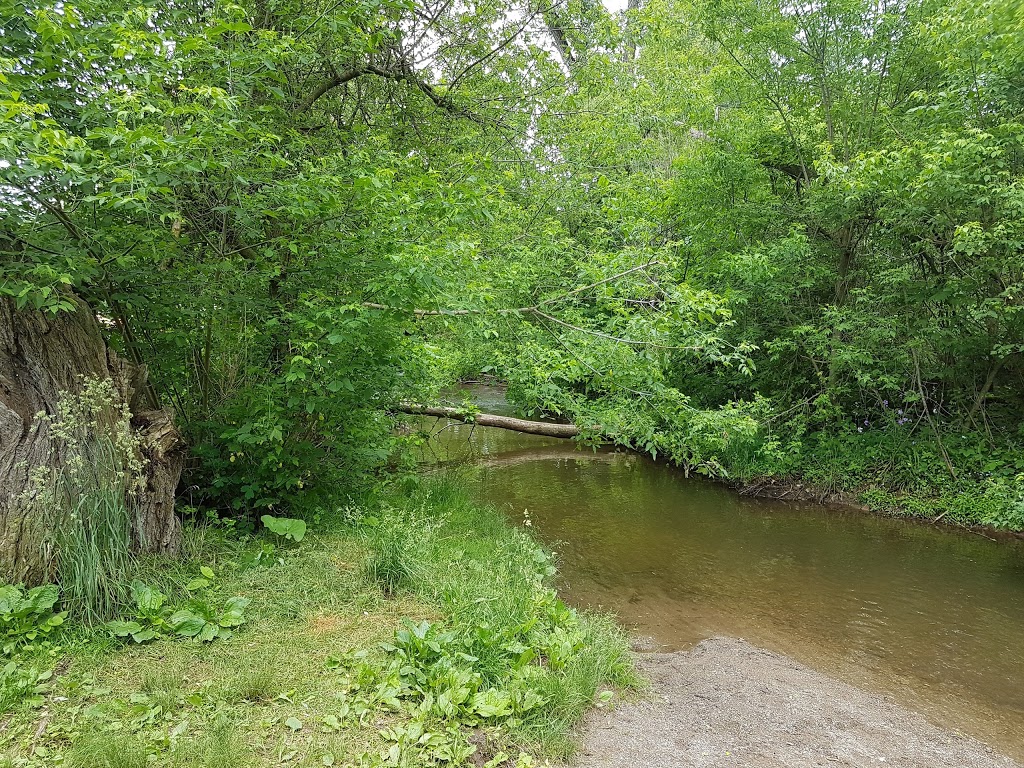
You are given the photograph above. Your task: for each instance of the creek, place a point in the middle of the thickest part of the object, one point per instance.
(930, 617)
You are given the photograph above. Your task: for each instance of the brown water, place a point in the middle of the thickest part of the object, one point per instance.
(932, 617)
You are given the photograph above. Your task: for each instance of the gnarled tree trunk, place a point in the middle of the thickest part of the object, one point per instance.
(42, 358)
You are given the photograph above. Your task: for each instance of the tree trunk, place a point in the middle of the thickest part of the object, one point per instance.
(492, 420)
(42, 359)
(629, 49)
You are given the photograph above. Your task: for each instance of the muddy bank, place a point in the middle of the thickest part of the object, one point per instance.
(727, 703)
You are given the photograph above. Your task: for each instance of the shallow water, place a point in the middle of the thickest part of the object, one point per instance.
(932, 617)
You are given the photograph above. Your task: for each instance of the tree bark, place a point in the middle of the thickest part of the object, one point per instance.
(493, 420)
(42, 359)
(559, 38)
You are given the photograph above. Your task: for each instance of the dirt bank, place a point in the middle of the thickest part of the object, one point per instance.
(727, 703)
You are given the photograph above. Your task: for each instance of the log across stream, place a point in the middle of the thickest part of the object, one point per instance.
(544, 428)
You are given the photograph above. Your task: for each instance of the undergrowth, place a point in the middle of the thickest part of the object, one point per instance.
(417, 629)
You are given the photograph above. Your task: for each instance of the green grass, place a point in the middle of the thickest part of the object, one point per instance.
(94, 560)
(108, 750)
(307, 678)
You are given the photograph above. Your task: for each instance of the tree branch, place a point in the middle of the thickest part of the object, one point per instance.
(331, 83)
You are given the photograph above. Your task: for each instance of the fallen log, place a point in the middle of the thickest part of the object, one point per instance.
(492, 420)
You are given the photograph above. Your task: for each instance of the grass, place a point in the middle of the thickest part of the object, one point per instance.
(97, 750)
(358, 642)
(95, 561)
(395, 560)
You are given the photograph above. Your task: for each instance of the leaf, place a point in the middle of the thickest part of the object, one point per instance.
(148, 599)
(197, 584)
(145, 635)
(289, 527)
(234, 610)
(10, 596)
(207, 572)
(491, 703)
(186, 623)
(122, 628)
(41, 599)
(294, 723)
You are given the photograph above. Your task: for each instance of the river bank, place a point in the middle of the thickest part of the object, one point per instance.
(726, 702)
(394, 634)
(786, 489)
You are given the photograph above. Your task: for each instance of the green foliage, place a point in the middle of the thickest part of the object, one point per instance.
(289, 528)
(511, 653)
(435, 680)
(709, 214)
(486, 647)
(155, 619)
(204, 580)
(28, 623)
(27, 617)
(1005, 508)
(22, 682)
(823, 214)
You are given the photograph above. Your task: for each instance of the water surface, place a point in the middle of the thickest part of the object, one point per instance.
(931, 617)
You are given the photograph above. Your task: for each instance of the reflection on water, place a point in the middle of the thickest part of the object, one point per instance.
(932, 617)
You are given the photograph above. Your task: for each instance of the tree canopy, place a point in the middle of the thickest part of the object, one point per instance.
(757, 239)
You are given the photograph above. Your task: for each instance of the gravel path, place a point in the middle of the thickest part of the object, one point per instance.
(727, 703)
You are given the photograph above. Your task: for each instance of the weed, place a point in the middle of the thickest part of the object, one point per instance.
(27, 617)
(22, 682)
(95, 560)
(155, 619)
(163, 688)
(91, 502)
(287, 527)
(394, 561)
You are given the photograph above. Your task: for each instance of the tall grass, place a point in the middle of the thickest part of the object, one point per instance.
(92, 500)
(95, 562)
(94, 546)
(395, 560)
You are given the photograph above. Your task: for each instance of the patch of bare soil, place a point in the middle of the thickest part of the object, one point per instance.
(727, 703)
